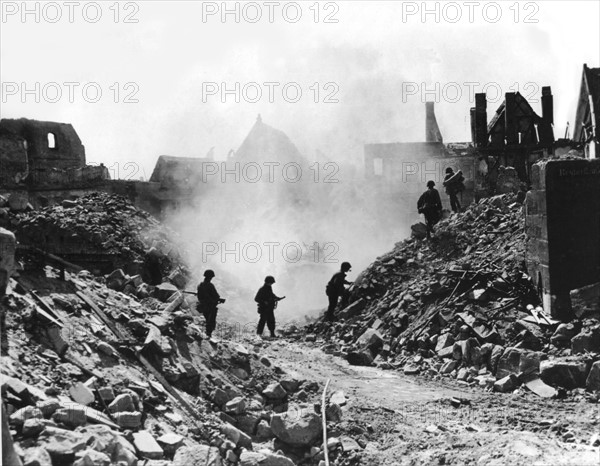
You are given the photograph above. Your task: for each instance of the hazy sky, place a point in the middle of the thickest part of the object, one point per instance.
(376, 58)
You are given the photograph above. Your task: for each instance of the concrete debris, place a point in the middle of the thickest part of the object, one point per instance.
(146, 445)
(198, 454)
(125, 377)
(462, 303)
(564, 373)
(263, 458)
(296, 429)
(77, 407)
(275, 391)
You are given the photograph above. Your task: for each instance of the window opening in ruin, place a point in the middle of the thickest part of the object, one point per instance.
(378, 167)
(51, 141)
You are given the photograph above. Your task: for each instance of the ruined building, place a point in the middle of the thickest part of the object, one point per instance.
(34, 148)
(585, 132)
(44, 160)
(402, 168)
(516, 136)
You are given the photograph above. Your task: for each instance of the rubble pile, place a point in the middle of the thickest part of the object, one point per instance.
(462, 306)
(106, 226)
(95, 376)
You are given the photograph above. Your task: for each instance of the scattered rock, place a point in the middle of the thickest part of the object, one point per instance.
(567, 374)
(197, 455)
(146, 445)
(274, 392)
(263, 458)
(506, 384)
(299, 428)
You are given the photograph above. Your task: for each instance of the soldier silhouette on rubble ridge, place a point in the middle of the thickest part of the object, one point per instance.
(336, 288)
(208, 300)
(267, 303)
(430, 205)
(454, 184)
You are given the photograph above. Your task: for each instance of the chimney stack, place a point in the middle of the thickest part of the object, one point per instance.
(479, 121)
(547, 105)
(432, 130)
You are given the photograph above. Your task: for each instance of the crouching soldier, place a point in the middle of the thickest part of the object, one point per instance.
(208, 299)
(267, 302)
(336, 288)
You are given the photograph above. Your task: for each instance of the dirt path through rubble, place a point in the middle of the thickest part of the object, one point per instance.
(368, 384)
(409, 421)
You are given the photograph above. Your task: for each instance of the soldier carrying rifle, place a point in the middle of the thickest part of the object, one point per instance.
(208, 299)
(267, 302)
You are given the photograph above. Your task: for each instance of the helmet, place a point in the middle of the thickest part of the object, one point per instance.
(209, 273)
(449, 170)
(269, 279)
(430, 184)
(346, 266)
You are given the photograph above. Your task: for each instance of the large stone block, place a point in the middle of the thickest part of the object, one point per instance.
(587, 341)
(299, 428)
(197, 454)
(567, 374)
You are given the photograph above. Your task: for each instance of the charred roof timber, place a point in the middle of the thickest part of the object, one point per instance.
(515, 123)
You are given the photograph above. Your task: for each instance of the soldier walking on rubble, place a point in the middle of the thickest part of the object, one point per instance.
(430, 205)
(267, 302)
(454, 184)
(336, 288)
(208, 299)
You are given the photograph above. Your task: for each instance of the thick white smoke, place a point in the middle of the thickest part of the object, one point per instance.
(290, 224)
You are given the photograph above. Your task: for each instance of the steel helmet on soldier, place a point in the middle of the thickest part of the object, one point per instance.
(209, 273)
(430, 184)
(269, 279)
(346, 266)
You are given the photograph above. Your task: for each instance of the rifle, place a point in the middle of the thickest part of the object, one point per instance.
(221, 301)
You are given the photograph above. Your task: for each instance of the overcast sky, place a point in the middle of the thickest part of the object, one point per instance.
(370, 68)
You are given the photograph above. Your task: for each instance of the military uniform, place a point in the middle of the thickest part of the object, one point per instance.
(430, 205)
(335, 289)
(267, 301)
(208, 299)
(452, 189)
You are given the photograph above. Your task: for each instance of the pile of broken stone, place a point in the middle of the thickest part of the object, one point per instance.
(95, 376)
(461, 306)
(102, 223)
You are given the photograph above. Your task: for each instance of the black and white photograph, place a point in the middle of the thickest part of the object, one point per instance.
(300, 233)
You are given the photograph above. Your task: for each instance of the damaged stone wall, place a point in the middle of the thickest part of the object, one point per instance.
(13, 159)
(49, 144)
(7, 258)
(563, 230)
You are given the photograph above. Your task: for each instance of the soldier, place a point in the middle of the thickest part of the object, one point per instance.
(267, 302)
(336, 288)
(453, 182)
(208, 299)
(430, 205)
